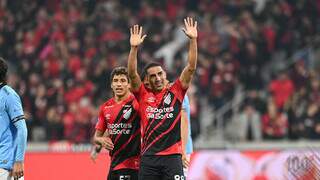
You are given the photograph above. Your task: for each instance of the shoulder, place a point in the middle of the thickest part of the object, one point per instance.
(108, 103)
(10, 94)
(9, 91)
(135, 102)
(177, 85)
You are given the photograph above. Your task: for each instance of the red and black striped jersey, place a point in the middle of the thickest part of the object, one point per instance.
(161, 119)
(122, 121)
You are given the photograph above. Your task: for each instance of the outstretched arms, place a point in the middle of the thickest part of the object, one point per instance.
(190, 30)
(136, 38)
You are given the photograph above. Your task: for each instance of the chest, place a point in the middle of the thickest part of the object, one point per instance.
(116, 113)
(161, 99)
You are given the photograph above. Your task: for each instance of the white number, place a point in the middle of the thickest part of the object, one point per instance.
(178, 177)
(124, 177)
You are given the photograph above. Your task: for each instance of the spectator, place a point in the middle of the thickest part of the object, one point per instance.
(275, 123)
(249, 124)
(311, 121)
(281, 89)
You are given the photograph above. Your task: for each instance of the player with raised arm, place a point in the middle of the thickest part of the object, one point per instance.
(118, 128)
(13, 130)
(160, 109)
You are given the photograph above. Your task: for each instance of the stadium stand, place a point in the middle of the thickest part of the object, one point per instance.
(255, 57)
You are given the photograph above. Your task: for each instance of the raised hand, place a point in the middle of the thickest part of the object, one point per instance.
(136, 37)
(190, 28)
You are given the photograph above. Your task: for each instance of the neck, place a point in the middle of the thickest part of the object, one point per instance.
(121, 98)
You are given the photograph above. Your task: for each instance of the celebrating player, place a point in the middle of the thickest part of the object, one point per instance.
(160, 109)
(119, 119)
(13, 130)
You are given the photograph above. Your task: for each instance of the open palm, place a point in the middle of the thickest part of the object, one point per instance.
(136, 37)
(190, 28)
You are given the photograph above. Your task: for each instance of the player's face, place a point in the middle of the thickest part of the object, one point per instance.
(120, 85)
(157, 78)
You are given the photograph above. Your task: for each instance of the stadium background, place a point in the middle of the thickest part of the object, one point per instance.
(258, 63)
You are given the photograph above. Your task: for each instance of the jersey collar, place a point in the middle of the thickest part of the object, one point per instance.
(2, 84)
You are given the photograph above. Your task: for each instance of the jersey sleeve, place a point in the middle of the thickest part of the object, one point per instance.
(185, 103)
(178, 90)
(14, 107)
(101, 124)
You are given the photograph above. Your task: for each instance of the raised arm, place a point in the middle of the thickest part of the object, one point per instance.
(136, 39)
(191, 31)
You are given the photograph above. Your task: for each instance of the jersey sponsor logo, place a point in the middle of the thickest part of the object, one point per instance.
(151, 99)
(168, 99)
(119, 128)
(159, 113)
(106, 107)
(127, 113)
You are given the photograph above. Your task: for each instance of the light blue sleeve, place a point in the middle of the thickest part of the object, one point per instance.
(14, 107)
(15, 111)
(21, 140)
(185, 103)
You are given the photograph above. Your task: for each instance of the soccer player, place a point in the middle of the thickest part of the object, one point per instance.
(186, 134)
(13, 130)
(119, 119)
(160, 109)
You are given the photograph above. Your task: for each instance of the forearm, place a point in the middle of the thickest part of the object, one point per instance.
(97, 137)
(97, 148)
(133, 67)
(132, 61)
(20, 140)
(188, 71)
(192, 55)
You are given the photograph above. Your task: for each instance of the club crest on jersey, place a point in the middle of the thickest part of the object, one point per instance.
(167, 99)
(151, 99)
(127, 113)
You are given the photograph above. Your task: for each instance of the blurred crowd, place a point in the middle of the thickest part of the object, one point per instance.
(61, 54)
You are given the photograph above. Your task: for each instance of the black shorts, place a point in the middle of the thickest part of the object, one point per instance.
(123, 174)
(161, 167)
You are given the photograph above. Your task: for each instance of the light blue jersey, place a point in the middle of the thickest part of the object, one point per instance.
(186, 107)
(13, 130)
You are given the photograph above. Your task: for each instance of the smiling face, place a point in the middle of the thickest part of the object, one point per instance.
(157, 78)
(120, 85)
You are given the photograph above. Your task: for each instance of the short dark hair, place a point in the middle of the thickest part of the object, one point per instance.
(150, 65)
(3, 70)
(143, 75)
(119, 71)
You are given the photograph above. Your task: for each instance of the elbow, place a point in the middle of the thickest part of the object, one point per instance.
(192, 70)
(132, 76)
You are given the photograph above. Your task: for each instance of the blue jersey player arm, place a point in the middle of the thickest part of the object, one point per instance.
(184, 129)
(15, 112)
